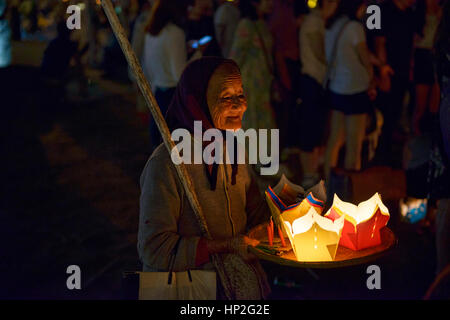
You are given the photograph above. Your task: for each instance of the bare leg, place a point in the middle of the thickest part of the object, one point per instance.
(435, 98)
(355, 132)
(310, 164)
(309, 161)
(335, 141)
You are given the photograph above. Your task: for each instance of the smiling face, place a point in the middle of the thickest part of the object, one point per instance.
(225, 97)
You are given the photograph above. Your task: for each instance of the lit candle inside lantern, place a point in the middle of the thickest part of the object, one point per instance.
(362, 223)
(313, 237)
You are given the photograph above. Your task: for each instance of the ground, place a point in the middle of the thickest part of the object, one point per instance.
(70, 196)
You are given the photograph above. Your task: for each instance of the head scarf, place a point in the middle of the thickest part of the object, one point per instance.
(189, 104)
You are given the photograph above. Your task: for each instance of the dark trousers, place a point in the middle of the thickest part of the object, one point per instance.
(163, 96)
(288, 124)
(391, 105)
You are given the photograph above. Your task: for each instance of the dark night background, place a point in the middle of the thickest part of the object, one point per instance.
(71, 155)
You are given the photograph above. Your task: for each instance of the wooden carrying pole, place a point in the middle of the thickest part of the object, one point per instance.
(163, 129)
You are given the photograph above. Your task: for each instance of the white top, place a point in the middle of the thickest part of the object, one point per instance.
(429, 32)
(165, 56)
(348, 74)
(226, 18)
(313, 25)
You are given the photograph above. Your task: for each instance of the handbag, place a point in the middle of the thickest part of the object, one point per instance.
(184, 285)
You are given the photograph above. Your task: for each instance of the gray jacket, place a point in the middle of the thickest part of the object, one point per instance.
(166, 215)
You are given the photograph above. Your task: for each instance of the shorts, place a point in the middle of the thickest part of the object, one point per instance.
(350, 104)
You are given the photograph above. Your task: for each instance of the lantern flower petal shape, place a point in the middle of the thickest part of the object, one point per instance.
(278, 207)
(313, 237)
(362, 222)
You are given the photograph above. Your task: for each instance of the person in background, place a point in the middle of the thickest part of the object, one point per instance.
(426, 84)
(5, 37)
(442, 50)
(200, 23)
(137, 43)
(226, 20)
(252, 51)
(59, 52)
(15, 20)
(5, 57)
(351, 81)
(310, 133)
(165, 55)
(394, 48)
(284, 24)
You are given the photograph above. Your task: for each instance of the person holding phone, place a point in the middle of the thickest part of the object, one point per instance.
(350, 83)
(252, 51)
(226, 20)
(165, 55)
(200, 25)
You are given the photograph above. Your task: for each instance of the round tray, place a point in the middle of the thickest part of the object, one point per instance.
(344, 257)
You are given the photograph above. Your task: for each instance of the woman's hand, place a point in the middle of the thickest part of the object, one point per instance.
(372, 91)
(386, 73)
(237, 245)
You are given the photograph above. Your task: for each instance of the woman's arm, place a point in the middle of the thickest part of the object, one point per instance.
(364, 56)
(257, 212)
(385, 70)
(161, 203)
(177, 53)
(317, 44)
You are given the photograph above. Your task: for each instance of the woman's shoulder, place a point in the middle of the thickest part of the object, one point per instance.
(344, 28)
(159, 154)
(159, 164)
(313, 19)
(172, 30)
(355, 24)
(244, 23)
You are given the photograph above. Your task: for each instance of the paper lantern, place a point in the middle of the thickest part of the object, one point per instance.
(362, 222)
(289, 193)
(278, 207)
(413, 210)
(312, 237)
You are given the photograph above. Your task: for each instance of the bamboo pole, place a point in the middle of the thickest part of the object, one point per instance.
(144, 86)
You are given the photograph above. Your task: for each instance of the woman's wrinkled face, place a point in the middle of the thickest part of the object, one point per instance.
(226, 100)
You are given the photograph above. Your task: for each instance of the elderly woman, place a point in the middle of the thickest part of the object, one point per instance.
(210, 90)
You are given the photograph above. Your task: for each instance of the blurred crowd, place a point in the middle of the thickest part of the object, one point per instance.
(341, 94)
